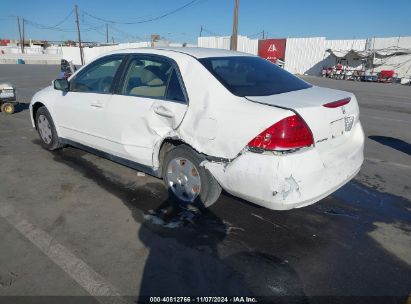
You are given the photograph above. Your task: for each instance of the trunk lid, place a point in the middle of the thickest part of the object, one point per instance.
(330, 126)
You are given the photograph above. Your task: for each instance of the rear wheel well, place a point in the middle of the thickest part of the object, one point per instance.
(167, 145)
(36, 106)
(208, 188)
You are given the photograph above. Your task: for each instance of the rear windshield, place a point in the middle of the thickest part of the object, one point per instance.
(252, 76)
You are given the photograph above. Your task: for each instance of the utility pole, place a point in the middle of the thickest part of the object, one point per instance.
(234, 35)
(263, 34)
(24, 36)
(201, 31)
(106, 33)
(18, 23)
(79, 36)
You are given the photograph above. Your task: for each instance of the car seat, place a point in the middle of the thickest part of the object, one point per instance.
(151, 84)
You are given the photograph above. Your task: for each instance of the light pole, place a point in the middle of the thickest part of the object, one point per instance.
(234, 35)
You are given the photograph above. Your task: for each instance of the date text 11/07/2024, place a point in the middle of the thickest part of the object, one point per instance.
(203, 300)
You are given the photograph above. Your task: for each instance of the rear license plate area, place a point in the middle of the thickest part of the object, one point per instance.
(337, 128)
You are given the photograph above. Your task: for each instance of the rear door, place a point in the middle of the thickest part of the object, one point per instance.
(150, 102)
(81, 110)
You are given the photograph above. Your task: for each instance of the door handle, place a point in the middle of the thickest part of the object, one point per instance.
(96, 104)
(162, 111)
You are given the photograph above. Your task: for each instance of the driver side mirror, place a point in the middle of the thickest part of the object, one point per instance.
(61, 85)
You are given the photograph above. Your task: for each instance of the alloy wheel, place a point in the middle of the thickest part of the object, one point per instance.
(183, 179)
(44, 128)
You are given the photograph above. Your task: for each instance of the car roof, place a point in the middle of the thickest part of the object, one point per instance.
(197, 52)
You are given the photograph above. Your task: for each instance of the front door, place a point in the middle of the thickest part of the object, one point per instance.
(82, 109)
(150, 103)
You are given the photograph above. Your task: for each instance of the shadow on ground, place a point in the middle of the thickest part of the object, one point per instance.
(184, 257)
(275, 256)
(392, 142)
(20, 107)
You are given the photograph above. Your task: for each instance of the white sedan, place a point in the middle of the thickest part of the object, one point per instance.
(206, 120)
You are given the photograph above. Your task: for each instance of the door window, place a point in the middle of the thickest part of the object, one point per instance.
(153, 78)
(175, 91)
(98, 77)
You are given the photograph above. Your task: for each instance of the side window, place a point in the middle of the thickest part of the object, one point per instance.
(174, 90)
(146, 78)
(98, 77)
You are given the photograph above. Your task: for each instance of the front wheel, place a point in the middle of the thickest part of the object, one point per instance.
(47, 130)
(186, 180)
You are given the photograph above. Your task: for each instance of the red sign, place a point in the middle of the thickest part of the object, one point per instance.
(4, 42)
(272, 49)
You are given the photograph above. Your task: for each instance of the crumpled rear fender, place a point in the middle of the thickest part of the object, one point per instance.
(283, 181)
(218, 123)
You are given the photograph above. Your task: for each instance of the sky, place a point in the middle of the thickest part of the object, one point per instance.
(344, 19)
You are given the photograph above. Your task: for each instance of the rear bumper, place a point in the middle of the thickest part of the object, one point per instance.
(293, 180)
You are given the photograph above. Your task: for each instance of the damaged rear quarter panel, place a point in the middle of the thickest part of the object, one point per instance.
(270, 180)
(290, 180)
(217, 123)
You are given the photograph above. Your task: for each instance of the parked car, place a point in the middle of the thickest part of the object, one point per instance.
(206, 120)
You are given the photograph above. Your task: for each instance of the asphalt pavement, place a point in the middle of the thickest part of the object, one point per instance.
(78, 228)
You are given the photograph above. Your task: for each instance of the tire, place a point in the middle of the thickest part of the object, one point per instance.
(47, 130)
(182, 172)
(7, 108)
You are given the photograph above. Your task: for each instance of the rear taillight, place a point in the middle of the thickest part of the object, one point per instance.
(289, 133)
(338, 103)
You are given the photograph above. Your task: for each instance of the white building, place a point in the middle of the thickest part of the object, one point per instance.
(310, 55)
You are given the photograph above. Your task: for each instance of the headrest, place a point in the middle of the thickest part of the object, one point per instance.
(148, 77)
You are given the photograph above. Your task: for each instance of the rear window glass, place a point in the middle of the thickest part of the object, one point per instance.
(252, 76)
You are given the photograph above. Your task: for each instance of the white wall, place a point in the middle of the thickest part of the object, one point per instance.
(73, 53)
(308, 55)
(346, 44)
(11, 58)
(303, 55)
(214, 42)
(389, 42)
(244, 44)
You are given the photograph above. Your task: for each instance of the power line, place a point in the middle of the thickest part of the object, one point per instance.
(55, 27)
(86, 20)
(96, 27)
(59, 23)
(256, 34)
(125, 33)
(210, 32)
(59, 29)
(146, 20)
